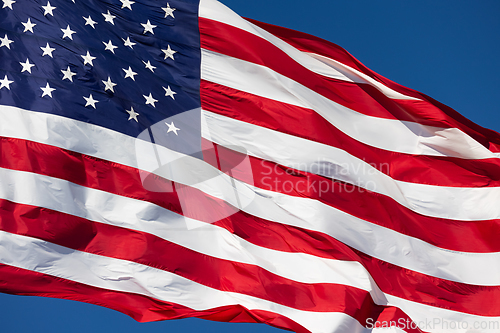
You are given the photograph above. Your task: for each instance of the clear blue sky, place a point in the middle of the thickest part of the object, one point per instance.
(449, 50)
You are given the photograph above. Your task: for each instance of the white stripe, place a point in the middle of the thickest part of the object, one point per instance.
(389, 134)
(302, 212)
(460, 203)
(125, 276)
(216, 11)
(136, 215)
(473, 268)
(359, 77)
(379, 242)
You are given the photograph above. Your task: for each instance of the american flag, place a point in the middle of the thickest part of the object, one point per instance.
(171, 159)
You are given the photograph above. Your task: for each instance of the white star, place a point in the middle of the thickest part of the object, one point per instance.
(88, 59)
(47, 50)
(6, 41)
(127, 42)
(26, 66)
(172, 128)
(149, 66)
(150, 99)
(28, 26)
(110, 46)
(133, 114)
(127, 3)
(68, 33)
(109, 18)
(47, 90)
(169, 11)
(169, 92)
(90, 101)
(68, 74)
(5, 82)
(129, 73)
(108, 85)
(169, 53)
(148, 27)
(90, 21)
(8, 3)
(48, 9)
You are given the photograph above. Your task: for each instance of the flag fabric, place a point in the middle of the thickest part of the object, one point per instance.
(171, 159)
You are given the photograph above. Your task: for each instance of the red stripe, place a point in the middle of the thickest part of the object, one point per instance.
(143, 309)
(391, 279)
(427, 111)
(364, 98)
(307, 124)
(143, 248)
(111, 177)
(369, 206)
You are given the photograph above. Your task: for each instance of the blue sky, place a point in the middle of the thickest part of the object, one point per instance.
(449, 50)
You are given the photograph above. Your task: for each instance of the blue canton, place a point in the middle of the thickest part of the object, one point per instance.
(124, 65)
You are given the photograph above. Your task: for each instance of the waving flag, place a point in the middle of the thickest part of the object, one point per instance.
(172, 159)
